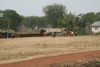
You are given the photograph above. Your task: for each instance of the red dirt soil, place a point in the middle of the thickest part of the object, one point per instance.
(60, 59)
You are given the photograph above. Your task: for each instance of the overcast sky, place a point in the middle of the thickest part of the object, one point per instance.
(35, 7)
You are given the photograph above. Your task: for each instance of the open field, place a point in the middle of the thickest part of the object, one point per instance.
(17, 49)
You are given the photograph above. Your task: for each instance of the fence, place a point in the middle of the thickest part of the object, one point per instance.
(29, 35)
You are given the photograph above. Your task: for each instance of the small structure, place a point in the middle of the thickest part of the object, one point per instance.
(57, 30)
(3, 33)
(37, 31)
(95, 27)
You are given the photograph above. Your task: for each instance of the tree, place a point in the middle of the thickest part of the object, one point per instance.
(98, 16)
(14, 17)
(91, 17)
(53, 13)
(4, 22)
(68, 21)
(33, 21)
(82, 21)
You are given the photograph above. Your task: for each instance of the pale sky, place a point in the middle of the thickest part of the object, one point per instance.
(35, 7)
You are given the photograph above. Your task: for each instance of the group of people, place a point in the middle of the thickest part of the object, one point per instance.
(71, 34)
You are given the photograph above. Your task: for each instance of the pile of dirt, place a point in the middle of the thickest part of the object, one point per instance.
(89, 63)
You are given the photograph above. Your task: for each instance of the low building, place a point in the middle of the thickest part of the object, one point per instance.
(37, 31)
(4, 33)
(95, 27)
(57, 30)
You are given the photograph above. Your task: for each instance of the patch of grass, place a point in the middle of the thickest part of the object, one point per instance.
(34, 46)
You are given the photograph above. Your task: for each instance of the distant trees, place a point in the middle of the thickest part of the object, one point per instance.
(11, 19)
(33, 21)
(98, 16)
(82, 21)
(53, 13)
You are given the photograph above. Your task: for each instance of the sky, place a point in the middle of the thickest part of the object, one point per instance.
(35, 7)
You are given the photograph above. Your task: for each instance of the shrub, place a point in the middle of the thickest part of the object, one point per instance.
(83, 33)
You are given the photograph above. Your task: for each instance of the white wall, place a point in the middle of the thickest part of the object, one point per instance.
(95, 31)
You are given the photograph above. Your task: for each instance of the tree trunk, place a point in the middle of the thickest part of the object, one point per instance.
(83, 29)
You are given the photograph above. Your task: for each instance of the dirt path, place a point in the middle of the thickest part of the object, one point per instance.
(46, 61)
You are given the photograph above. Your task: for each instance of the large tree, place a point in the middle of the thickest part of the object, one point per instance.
(98, 16)
(91, 17)
(11, 18)
(53, 13)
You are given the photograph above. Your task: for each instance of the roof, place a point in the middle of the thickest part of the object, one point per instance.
(54, 29)
(97, 23)
(7, 30)
(36, 31)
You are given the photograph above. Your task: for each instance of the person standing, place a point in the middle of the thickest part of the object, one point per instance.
(12, 35)
(54, 35)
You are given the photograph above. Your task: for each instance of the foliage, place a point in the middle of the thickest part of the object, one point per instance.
(82, 21)
(83, 33)
(53, 13)
(5, 23)
(75, 29)
(12, 18)
(33, 21)
(98, 33)
(98, 16)
(91, 17)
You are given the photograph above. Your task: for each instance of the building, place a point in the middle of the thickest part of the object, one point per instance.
(4, 33)
(51, 30)
(95, 27)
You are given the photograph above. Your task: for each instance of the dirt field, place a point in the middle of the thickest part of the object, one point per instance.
(18, 49)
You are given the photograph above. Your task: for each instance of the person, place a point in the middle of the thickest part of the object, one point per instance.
(53, 35)
(12, 35)
(65, 33)
(75, 33)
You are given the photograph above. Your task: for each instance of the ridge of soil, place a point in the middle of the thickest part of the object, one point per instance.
(60, 59)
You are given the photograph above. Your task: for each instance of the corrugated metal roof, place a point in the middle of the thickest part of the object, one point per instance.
(97, 23)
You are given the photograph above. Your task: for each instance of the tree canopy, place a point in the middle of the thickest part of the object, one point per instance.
(54, 12)
(11, 18)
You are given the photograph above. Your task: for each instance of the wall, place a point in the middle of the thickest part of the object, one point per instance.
(95, 31)
(29, 35)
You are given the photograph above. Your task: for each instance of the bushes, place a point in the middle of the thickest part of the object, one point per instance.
(80, 32)
(98, 33)
(83, 33)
